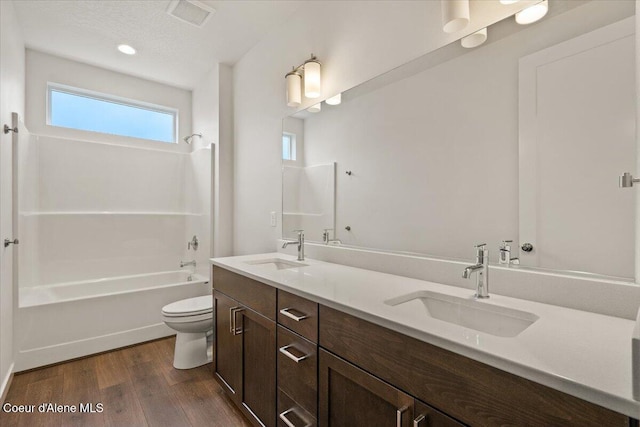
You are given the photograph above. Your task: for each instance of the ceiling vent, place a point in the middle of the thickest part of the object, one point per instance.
(190, 11)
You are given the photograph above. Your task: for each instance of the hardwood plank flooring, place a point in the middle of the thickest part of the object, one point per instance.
(137, 386)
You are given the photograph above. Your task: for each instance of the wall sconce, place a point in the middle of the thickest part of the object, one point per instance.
(455, 15)
(475, 39)
(334, 100)
(315, 108)
(310, 70)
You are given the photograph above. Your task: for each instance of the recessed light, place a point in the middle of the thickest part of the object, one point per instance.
(126, 49)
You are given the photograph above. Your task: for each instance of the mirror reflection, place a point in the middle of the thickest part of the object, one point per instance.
(521, 139)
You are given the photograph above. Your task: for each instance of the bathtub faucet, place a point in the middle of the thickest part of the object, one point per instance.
(193, 270)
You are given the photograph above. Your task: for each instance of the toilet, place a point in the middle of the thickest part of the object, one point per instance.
(192, 319)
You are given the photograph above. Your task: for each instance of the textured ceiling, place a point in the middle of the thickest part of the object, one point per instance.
(169, 50)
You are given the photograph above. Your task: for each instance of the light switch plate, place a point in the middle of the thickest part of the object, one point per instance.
(273, 219)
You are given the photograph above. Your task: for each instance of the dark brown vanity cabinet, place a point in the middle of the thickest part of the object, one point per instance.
(351, 397)
(297, 361)
(290, 362)
(245, 344)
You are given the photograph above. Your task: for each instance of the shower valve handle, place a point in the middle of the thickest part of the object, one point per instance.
(8, 242)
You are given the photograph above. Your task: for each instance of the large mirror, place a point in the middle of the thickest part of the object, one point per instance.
(522, 139)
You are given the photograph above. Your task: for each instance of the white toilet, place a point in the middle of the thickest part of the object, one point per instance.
(193, 320)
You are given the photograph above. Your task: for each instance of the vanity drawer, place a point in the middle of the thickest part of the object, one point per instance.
(298, 314)
(251, 293)
(293, 413)
(298, 369)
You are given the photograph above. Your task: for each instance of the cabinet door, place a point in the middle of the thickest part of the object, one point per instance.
(426, 416)
(227, 351)
(258, 366)
(350, 397)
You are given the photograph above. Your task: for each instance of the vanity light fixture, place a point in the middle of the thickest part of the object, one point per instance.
(455, 15)
(315, 108)
(294, 88)
(532, 13)
(310, 70)
(509, 1)
(334, 100)
(475, 39)
(126, 49)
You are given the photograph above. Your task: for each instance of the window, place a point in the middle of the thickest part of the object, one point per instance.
(288, 146)
(80, 109)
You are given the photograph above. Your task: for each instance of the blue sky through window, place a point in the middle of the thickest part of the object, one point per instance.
(98, 115)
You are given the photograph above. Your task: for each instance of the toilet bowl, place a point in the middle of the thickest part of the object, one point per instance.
(192, 319)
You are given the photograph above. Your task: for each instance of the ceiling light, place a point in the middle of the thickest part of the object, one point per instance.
(475, 39)
(509, 1)
(334, 100)
(310, 71)
(455, 15)
(126, 49)
(532, 13)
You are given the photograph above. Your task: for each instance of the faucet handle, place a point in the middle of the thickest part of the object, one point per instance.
(480, 245)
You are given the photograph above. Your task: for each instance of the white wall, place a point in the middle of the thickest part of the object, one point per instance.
(43, 68)
(12, 89)
(355, 41)
(212, 116)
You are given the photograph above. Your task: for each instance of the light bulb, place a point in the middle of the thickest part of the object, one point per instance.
(294, 90)
(312, 79)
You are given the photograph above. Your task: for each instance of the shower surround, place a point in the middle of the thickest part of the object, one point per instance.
(110, 222)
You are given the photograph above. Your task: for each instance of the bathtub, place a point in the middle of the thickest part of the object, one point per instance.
(69, 320)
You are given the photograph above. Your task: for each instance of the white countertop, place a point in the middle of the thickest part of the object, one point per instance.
(584, 354)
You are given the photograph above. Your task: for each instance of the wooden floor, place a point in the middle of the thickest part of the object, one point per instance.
(137, 386)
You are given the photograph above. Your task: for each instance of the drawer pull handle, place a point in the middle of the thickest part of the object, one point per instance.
(419, 420)
(286, 312)
(399, 413)
(285, 350)
(232, 313)
(283, 417)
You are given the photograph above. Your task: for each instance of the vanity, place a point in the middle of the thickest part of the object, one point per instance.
(306, 343)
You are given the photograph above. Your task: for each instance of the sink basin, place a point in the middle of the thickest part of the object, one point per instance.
(276, 263)
(470, 313)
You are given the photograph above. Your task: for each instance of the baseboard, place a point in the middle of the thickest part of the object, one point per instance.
(6, 383)
(36, 357)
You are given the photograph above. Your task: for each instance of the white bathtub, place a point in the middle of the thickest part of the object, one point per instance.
(68, 320)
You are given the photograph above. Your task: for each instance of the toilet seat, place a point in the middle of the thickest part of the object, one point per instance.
(198, 306)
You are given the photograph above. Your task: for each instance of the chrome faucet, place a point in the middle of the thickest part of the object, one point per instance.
(482, 268)
(300, 243)
(505, 254)
(193, 269)
(326, 237)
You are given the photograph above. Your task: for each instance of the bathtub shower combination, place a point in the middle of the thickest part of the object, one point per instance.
(103, 229)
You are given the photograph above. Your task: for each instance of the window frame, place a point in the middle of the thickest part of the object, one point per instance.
(114, 99)
(293, 145)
